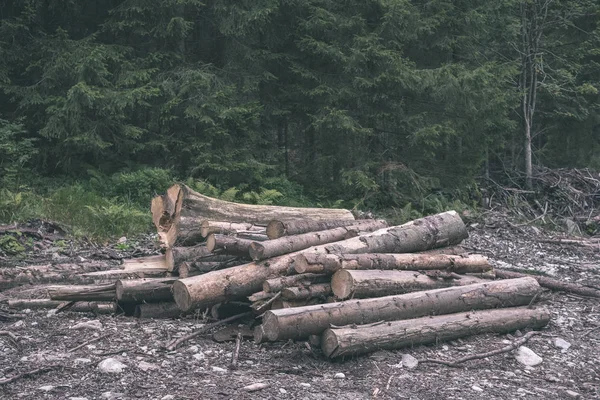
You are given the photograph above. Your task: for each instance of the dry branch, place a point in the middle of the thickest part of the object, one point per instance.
(552, 284)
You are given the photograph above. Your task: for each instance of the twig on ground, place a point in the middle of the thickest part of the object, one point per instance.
(267, 303)
(29, 373)
(236, 351)
(13, 339)
(479, 356)
(174, 343)
(89, 341)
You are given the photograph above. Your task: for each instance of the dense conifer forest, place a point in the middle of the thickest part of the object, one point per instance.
(399, 106)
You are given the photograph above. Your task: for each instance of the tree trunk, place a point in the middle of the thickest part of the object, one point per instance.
(230, 228)
(144, 290)
(174, 256)
(188, 269)
(179, 214)
(552, 284)
(230, 245)
(276, 284)
(450, 250)
(83, 293)
(350, 341)
(330, 263)
(149, 262)
(281, 304)
(241, 281)
(299, 323)
(316, 291)
(48, 273)
(277, 229)
(288, 244)
(157, 310)
(376, 283)
(114, 275)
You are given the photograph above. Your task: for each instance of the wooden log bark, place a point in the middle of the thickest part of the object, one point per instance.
(552, 284)
(289, 244)
(377, 283)
(230, 228)
(277, 229)
(241, 281)
(94, 307)
(113, 275)
(349, 341)
(174, 256)
(318, 290)
(299, 323)
(179, 215)
(224, 244)
(157, 310)
(149, 262)
(50, 273)
(276, 284)
(80, 306)
(258, 296)
(330, 263)
(280, 304)
(83, 293)
(144, 290)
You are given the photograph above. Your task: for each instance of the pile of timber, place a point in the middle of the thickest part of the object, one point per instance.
(357, 285)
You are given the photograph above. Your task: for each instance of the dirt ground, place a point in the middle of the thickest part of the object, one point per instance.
(200, 368)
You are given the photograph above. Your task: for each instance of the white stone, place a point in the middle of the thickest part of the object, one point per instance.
(573, 395)
(218, 369)
(94, 324)
(339, 375)
(409, 361)
(46, 388)
(78, 398)
(282, 391)
(122, 240)
(146, 366)
(561, 344)
(167, 397)
(193, 349)
(110, 365)
(112, 395)
(476, 388)
(51, 313)
(82, 361)
(306, 385)
(18, 324)
(199, 356)
(527, 357)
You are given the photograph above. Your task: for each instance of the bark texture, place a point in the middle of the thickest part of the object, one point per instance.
(231, 245)
(157, 310)
(83, 293)
(552, 284)
(277, 229)
(316, 291)
(276, 284)
(144, 290)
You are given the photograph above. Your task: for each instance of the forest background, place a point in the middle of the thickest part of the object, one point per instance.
(399, 107)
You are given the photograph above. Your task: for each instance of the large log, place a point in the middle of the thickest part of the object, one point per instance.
(241, 281)
(230, 228)
(289, 244)
(276, 284)
(302, 322)
(316, 291)
(144, 290)
(83, 293)
(174, 256)
(330, 263)
(50, 273)
(377, 283)
(149, 262)
(231, 245)
(277, 229)
(553, 284)
(355, 340)
(157, 310)
(179, 214)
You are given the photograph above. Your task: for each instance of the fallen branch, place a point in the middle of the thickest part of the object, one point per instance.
(29, 373)
(89, 342)
(480, 356)
(175, 343)
(236, 351)
(550, 283)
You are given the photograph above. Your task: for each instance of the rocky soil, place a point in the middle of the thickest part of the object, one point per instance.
(108, 357)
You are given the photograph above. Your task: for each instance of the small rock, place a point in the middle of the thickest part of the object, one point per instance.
(339, 375)
(445, 348)
(78, 398)
(51, 313)
(218, 369)
(110, 365)
(193, 349)
(255, 387)
(27, 311)
(572, 395)
(95, 324)
(282, 391)
(112, 395)
(82, 361)
(306, 385)
(476, 388)
(409, 361)
(199, 356)
(561, 344)
(122, 240)
(18, 324)
(46, 388)
(146, 366)
(526, 356)
(518, 333)
(167, 397)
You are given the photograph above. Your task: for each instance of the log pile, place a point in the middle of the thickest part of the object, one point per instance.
(306, 272)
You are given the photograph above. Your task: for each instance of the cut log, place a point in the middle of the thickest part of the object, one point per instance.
(377, 283)
(113, 275)
(288, 244)
(174, 256)
(188, 269)
(241, 281)
(450, 250)
(259, 334)
(282, 303)
(330, 263)
(228, 245)
(144, 290)
(157, 310)
(230, 228)
(150, 262)
(349, 341)
(301, 322)
(258, 296)
(90, 306)
(80, 306)
(50, 273)
(277, 229)
(276, 284)
(316, 291)
(552, 284)
(183, 222)
(83, 293)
